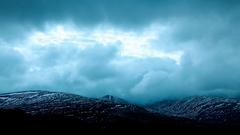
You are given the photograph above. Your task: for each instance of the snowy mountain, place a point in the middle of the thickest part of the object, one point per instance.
(44, 108)
(201, 108)
(44, 102)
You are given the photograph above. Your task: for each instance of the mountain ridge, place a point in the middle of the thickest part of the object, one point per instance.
(202, 108)
(110, 112)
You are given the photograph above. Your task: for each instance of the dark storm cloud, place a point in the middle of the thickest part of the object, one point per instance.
(18, 17)
(126, 12)
(206, 31)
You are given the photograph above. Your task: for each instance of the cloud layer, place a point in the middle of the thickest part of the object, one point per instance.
(137, 49)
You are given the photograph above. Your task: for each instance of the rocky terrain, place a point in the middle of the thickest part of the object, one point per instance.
(47, 109)
(70, 105)
(201, 108)
(43, 108)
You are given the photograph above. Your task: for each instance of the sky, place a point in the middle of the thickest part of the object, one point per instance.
(140, 50)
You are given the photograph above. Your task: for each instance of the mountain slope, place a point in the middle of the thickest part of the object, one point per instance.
(83, 108)
(201, 108)
(43, 108)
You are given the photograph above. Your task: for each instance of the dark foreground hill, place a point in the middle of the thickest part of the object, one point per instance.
(56, 110)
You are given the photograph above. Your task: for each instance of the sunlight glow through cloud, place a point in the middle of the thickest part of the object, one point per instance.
(132, 44)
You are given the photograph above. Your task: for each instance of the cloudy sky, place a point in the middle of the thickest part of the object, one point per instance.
(141, 50)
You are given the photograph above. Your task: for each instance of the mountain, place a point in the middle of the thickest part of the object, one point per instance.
(44, 102)
(201, 108)
(43, 108)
